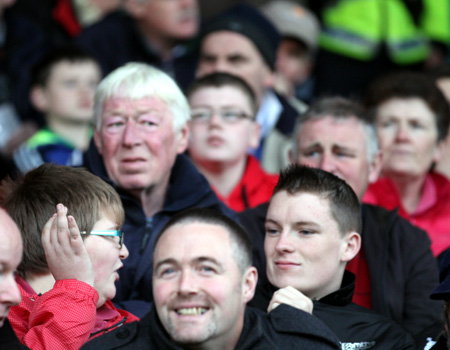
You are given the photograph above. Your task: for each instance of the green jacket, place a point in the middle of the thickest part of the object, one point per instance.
(358, 28)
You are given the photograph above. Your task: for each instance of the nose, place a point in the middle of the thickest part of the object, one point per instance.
(187, 284)
(131, 134)
(284, 244)
(124, 252)
(328, 163)
(402, 133)
(216, 119)
(9, 292)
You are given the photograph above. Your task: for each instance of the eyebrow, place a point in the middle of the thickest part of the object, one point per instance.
(295, 224)
(200, 259)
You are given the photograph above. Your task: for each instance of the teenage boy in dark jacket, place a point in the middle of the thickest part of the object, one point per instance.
(312, 227)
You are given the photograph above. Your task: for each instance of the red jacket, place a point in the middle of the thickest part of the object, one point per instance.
(435, 219)
(64, 317)
(256, 187)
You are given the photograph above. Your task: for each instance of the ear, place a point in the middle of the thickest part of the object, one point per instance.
(98, 141)
(375, 167)
(39, 98)
(249, 280)
(182, 138)
(441, 148)
(135, 8)
(255, 133)
(351, 246)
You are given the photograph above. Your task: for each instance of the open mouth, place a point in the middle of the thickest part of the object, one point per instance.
(191, 311)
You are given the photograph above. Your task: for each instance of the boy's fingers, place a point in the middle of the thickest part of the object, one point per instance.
(46, 231)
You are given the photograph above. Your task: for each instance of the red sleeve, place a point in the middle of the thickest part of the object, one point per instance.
(62, 318)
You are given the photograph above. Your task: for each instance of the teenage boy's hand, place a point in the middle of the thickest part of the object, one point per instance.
(291, 296)
(64, 249)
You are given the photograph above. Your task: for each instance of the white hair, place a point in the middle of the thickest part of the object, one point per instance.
(140, 80)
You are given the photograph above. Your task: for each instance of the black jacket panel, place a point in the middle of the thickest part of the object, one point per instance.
(284, 328)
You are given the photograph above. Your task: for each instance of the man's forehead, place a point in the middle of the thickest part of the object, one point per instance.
(194, 239)
(139, 103)
(284, 206)
(332, 130)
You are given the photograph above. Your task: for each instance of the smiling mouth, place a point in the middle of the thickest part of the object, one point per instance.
(191, 311)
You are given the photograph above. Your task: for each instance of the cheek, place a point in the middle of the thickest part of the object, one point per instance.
(162, 292)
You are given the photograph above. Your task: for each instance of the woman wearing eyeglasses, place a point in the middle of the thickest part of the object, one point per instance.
(67, 274)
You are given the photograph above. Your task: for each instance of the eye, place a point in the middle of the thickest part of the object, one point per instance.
(344, 154)
(270, 231)
(114, 124)
(416, 124)
(167, 272)
(386, 123)
(207, 270)
(230, 116)
(311, 154)
(70, 83)
(201, 115)
(306, 232)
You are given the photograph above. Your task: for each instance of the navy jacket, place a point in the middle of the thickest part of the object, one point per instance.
(115, 40)
(187, 188)
(283, 328)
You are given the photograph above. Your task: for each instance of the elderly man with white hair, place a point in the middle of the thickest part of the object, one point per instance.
(141, 132)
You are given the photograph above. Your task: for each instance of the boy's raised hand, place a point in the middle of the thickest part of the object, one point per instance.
(66, 254)
(291, 296)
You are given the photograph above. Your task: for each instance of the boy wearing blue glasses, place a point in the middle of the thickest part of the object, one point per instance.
(68, 273)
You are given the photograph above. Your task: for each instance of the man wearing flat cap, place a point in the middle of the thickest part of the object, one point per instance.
(243, 42)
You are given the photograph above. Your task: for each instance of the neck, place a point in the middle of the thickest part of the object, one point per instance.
(162, 45)
(223, 176)
(77, 133)
(41, 283)
(409, 188)
(227, 342)
(152, 198)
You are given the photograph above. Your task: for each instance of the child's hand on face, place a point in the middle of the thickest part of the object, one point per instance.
(64, 249)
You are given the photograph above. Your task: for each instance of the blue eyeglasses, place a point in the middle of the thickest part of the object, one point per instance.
(108, 233)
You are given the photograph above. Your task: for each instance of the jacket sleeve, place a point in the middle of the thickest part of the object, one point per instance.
(61, 318)
(421, 277)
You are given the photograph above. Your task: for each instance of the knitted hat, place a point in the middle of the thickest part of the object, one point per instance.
(249, 22)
